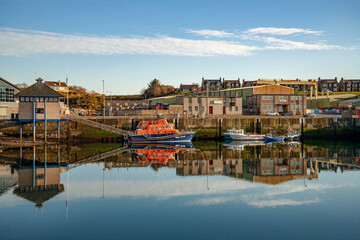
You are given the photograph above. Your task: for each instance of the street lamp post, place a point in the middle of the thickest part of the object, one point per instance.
(103, 98)
(110, 107)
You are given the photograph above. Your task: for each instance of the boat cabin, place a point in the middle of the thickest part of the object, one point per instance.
(155, 127)
(160, 156)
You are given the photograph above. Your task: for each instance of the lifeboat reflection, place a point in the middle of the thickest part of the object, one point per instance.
(159, 154)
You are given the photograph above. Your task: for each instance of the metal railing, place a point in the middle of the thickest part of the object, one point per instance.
(97, 125)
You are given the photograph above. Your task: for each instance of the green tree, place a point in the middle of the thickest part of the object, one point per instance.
(155, 89)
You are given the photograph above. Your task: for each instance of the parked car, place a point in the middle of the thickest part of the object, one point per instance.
(309, 115)
(287, 113)
(272, 114)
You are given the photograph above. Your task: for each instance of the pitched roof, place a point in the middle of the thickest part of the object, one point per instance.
(7, 82)
(39, 196)
(351, 100)
(55, 84)
(39, 89)
(189, 85)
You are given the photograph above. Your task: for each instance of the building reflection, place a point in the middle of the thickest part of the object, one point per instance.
(38, 181)
(36, 177)
(268, 171)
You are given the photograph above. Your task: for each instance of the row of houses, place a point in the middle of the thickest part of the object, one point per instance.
(333, 85)
(256, 100)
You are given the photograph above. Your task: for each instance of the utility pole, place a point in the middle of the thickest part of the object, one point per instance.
(67, 95)
(103, 98)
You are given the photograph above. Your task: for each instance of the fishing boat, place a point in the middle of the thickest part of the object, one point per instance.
(292, 135)
(240, 145)
(271, 138)
(239, 135)
(159, 131)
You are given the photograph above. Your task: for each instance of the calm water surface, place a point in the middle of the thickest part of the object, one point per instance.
(206, 191)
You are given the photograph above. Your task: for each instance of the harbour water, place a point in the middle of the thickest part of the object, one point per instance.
(208, 190)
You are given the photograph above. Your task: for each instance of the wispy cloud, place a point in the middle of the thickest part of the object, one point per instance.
(20, 43)
(209, 201)
(279, 31)
(15, 42)
(275, 43)
(211, 33)
(281, 202)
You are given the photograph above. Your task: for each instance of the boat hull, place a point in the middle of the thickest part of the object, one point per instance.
(274, 139)
(243, 137)
(169, 137)
(163, 145)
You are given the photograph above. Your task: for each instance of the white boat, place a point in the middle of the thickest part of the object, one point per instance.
(239, 135)
(238, 145)
(292, 135)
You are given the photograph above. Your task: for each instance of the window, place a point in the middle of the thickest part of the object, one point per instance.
(196, 108)
(296, 106)
(39, 110)
(267, 97)
(6, 94)
(296, 97)
(282, 99)
(190, 100)
(190, 108)
(236, 108)
(56, 99)
(268, 172)
(199, 100)
(268, 106)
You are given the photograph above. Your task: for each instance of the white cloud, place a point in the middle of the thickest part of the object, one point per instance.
(20, 43)
(210, 201)
(281, 202)
(275, 43)
(15, 42)
(211, 33)
(156, 188)
(279, 31)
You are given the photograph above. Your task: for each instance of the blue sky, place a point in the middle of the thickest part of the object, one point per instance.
(129, 43)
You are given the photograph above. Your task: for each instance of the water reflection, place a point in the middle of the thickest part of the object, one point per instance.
(34, 173)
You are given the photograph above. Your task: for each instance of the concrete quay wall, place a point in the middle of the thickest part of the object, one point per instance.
(205, 128)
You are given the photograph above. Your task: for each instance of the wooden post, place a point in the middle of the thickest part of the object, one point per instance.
(21, 138)
(58, 132)
(34, 122)
(34, 158)
(302, 127)
(20, 160)
(45, 168)
(220, 123)
(45, 124)
(58, 155)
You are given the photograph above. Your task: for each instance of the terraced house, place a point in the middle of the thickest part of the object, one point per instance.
(349, 85)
